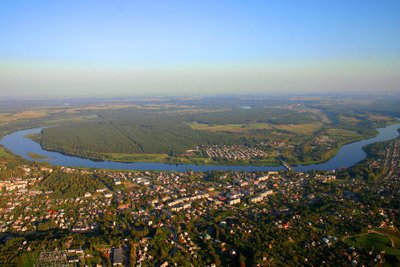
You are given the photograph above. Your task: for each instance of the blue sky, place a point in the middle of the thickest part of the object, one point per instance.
(201, 47)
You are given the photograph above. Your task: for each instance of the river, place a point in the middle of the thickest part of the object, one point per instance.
(347, 156)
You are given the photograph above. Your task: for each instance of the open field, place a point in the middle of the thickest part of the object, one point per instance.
(301, 129)
(75, 119)
(378, 240)
(349, 119)
(321, 115)
(29, 114)
(307, 128)
(393, 234)
(125, 157)
(343, 133)
(372, 241)
(232, 128)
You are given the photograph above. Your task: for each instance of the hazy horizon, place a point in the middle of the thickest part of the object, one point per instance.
(120, 48)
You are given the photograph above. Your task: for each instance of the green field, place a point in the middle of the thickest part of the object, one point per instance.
(124, 157)
(301, 129)
(343, 133)
(231, 128)
(305, 129)
(379, 241)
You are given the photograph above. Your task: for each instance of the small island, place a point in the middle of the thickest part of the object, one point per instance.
(37, 156)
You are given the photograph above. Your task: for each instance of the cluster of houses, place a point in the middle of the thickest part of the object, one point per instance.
(25, 208)
(29, 209)
(15, 184)
(152, 199)
(234, 152)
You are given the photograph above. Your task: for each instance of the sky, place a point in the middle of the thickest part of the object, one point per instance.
(118, 48)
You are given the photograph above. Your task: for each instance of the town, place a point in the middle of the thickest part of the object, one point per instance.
(142, 218)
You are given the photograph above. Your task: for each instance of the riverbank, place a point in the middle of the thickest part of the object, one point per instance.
(347, 156)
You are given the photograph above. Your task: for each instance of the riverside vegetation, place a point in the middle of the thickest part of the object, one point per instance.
(298, 131)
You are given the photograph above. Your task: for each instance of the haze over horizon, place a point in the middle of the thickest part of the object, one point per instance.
(117, 48)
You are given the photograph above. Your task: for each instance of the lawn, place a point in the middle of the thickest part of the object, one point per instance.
(29, 259)
(376, 242)
(392, 233)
